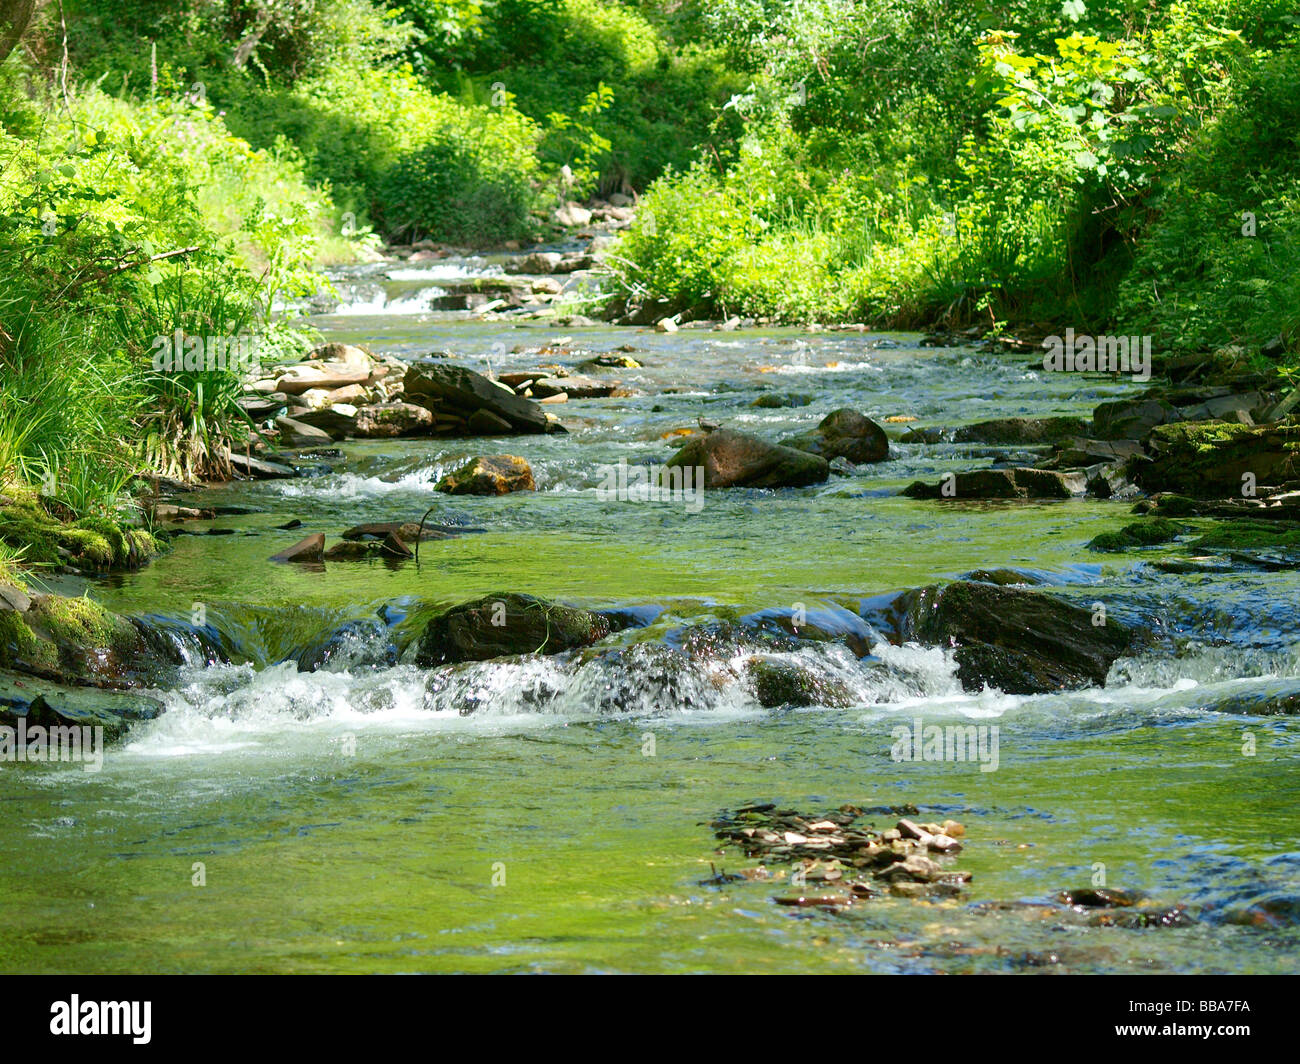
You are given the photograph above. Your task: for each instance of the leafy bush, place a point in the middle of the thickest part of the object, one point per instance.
(471, 182)
(104, 211)
(1220, 264)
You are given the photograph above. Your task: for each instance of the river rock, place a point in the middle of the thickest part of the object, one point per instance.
(359, 644)
(259, 469)
(305, 376)
(844, 433)
(788, 683)
(410, 531)
(338, 420)
(385, 421)
(575, 387)
(42, 703)
(294, 433)
(493, 474)
(1206, 459)
(486, 423)
(735, 459)
(261, 407)
(462, 392)
(14, 599)
(1022, 642)
(507, 624)
(1020, 483)
(1131, 419)
(573, 216)
(77, 641)
(538, 262)
(351, 551)
(310, 549)
(1014, 431)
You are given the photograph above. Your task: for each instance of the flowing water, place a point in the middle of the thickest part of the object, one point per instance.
(551, 814)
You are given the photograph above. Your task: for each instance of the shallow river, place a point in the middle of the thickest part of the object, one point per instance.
(552, 815)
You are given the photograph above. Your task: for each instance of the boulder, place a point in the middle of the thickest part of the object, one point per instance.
(571, 215)
(844, 433)
(462, 392)
(541, 262)
(493, 474)
(733, 459)
(390, 420)
(77, 641)
(1020, 641)
(507, 624)
(1021, 483)
(1207, 459)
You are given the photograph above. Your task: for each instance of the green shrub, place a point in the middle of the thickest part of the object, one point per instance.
(1220, 264)
(471, 182)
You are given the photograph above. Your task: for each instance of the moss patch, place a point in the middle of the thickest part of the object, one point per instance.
(1245, 535)
(1147, 533)
(94, 544)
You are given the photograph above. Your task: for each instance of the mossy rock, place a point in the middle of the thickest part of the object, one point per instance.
(1172, 505)
(1250, 535)
(1217, 459)
(91, 544)
(77, 641)
(1148, 533)
(784, 683)
(507, 624)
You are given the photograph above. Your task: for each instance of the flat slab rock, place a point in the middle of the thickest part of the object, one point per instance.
(1019, 483)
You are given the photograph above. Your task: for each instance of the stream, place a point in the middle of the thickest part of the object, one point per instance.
(552, 814)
